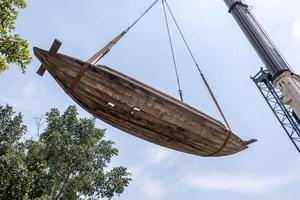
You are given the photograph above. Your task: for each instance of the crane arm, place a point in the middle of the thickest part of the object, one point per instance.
(283, 77)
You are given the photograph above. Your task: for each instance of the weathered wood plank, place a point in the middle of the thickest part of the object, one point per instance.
(53, 50)
(145, 121)
(93, 92)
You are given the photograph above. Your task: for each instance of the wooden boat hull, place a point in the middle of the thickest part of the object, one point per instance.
(140, 110)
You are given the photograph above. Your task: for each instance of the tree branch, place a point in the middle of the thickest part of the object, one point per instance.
(64, 185)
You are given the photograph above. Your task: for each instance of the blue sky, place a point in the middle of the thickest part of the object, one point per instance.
(267, 170)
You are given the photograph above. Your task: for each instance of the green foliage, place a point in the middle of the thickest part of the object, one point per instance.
(11, 155)
(68, 161)
(13, 49)
(11, 128)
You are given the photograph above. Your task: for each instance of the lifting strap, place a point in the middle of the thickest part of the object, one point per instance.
(198, 67)
(229, 133)
(106, 49)
(102, 52)
(172, 51)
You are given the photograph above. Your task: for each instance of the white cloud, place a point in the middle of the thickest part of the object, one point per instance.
(151, 189)
(24, 98)
(296, 27)
(13, 102)
(157, 155)
(29, 90)
(154, 155)
(145, 183)
(247, 184)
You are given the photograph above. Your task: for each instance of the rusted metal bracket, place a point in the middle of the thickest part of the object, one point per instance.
(52, 51)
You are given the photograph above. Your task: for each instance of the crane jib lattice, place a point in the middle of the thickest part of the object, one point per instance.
(283, 113)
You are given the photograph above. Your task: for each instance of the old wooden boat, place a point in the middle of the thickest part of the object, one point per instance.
(138, 109)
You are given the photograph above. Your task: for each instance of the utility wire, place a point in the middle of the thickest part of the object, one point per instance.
(172, 50)
(198, 67)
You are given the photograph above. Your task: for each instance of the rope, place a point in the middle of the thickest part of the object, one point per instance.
(172, 51)
(198, 67)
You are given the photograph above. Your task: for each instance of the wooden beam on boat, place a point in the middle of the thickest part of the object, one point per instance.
(52, 51)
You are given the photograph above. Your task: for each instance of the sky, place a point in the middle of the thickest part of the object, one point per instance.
(269, 169)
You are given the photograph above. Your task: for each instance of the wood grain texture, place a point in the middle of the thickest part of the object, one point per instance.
(140, 110)
(53, 50)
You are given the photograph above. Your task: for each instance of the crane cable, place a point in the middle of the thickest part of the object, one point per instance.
(106, 49)
(142, 15)
(112, 43)
(198, 67)
(101, 53)
(127, 30)
(172, 51)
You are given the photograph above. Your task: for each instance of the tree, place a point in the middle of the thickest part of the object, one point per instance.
(68, 161)
(13, 49)
(11, 153)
